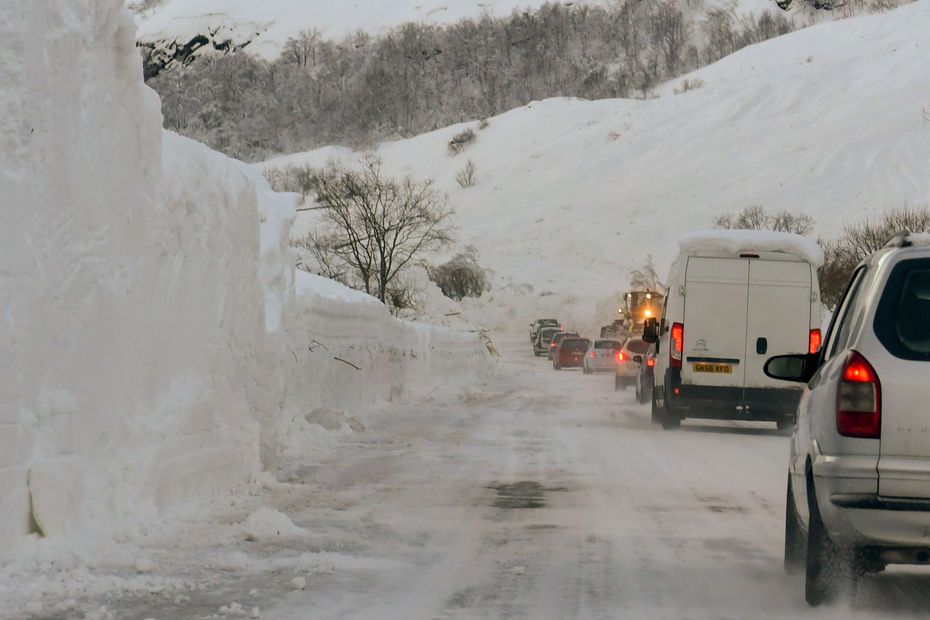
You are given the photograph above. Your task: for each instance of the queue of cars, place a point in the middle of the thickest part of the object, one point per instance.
(739, 338)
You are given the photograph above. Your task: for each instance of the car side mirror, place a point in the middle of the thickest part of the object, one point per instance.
(796, 368)
(651, 330)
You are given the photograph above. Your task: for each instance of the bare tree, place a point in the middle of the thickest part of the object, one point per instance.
(858, 241)
(755, 218)
(671, 34)
(374, 227)
(645, 278)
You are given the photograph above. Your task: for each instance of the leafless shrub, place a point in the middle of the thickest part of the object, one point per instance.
(461, 140)
(374, 227)
(860, 239)
(692, 84)
(461, 277)
(296, 179)
(755, 218)
(466, 177)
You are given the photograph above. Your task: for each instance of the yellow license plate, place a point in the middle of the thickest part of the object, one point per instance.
(720, 369)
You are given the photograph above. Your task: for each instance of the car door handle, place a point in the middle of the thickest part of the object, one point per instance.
(762, 346)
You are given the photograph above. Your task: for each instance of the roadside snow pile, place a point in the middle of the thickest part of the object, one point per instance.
(268, 525)
(736, 242)
(133, 302)
(571, 195)
(151, 336)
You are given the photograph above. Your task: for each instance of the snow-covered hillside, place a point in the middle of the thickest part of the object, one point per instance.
(831, 121)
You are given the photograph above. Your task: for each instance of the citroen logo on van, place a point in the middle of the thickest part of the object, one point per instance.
(700, 345)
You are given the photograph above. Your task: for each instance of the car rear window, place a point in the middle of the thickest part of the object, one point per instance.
(902, 322)
(607, 344)
(637, 345)
(547, 334)
(575, 345)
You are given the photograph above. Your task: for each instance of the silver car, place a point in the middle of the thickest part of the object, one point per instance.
(601, 356)
(859, 474)
(628, 360)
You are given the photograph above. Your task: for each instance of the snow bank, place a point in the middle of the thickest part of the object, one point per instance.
(133, 302)
(736, 242)
(150, 325)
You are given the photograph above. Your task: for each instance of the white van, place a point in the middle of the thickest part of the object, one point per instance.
(735, 299)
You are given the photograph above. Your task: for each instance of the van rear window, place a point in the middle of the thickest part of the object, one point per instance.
(902, 322)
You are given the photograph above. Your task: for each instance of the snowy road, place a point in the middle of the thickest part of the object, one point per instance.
(543, 495)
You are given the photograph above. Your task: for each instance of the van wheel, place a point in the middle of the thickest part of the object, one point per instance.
(794, 535)
(670, 421)
(825, 564)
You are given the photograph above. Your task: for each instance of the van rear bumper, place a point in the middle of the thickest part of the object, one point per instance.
(728, 403)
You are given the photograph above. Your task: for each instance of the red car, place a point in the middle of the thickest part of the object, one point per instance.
(570, 353)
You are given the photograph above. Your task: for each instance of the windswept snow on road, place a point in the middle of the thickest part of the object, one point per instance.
(829, 121)
(551, 496)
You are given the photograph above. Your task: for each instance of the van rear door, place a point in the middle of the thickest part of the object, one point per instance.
(716, 301)
(779, 319)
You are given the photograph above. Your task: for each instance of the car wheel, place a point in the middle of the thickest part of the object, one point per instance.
(585, 369)
(794, 536)
(785, 424)
(640, 392)
(656, 416)
(825, 565)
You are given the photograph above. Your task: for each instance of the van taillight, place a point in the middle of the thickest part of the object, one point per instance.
(677, 345)
(814, 341)
(859, 400)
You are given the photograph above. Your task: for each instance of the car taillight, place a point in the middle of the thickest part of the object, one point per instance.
(859, 400)
(551, 345)
(620, 356)
(814, 341)
(677, 345)
(593, 354)
(651, 362)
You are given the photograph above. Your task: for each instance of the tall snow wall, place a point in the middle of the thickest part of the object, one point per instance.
(149, 324)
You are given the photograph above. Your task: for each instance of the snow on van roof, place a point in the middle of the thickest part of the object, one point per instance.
(738, 242)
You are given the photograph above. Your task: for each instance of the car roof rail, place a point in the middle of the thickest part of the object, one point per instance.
(900, 240)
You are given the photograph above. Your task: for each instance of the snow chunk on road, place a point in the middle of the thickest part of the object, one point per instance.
(736, 242)
(266, 524)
